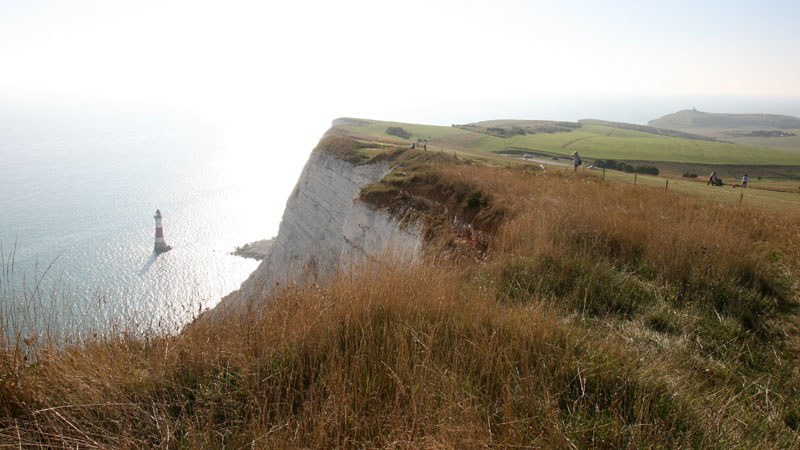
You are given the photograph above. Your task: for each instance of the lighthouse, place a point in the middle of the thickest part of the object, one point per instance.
(160, 246)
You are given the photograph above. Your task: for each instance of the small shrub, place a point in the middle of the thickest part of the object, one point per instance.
(649, 170)
(689, 175)
(476, 200)
(606, 164)
(517, 130)
(625, 167)
(399, 132)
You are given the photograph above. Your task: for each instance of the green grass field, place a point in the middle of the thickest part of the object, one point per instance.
(785, 143)
(698, 188)
(780, 186)
(593, 141)
(429, 132)
(725, 134)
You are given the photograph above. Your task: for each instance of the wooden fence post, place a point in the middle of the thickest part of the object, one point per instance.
(634, 177)
(604, 173)
(667, 187)
(741, 197)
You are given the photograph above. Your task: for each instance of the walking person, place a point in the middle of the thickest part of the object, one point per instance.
(711, 178)
(576, 161)
(425, 145)
(744, 181)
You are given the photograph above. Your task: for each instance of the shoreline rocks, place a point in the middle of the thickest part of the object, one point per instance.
(255, 250)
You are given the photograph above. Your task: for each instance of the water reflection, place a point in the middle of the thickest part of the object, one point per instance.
(148, 263)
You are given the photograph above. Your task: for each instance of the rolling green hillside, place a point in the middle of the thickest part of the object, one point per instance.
(647, 129)
(693, 119)
(590, 140)
(785, 142)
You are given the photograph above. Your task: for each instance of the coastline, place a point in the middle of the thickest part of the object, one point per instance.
(257, 250)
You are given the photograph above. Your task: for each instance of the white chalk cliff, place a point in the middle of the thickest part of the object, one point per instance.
(325, 225)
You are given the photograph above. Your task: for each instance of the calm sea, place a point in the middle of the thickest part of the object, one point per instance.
(78, 192)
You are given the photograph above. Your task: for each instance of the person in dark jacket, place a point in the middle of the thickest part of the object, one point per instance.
(576, 161)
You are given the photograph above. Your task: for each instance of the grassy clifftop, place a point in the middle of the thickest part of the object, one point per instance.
(692, 119)
(592, 139)
(599, 314)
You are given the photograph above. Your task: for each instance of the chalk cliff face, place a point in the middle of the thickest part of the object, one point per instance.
(324, 225)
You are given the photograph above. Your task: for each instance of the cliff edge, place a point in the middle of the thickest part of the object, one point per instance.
(325, 224)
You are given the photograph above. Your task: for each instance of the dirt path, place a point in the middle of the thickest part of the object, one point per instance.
(576, 140)
(545, 161)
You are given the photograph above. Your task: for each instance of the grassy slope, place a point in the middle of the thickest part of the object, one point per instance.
(430, 132)
(603, 316)
(785, 143)
(596, 142)
(699, 119)
(720, 125)
(777, 194)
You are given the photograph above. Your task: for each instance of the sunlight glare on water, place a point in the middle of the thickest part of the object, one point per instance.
(80, 193)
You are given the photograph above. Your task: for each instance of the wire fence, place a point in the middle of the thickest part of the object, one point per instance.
(749, 196)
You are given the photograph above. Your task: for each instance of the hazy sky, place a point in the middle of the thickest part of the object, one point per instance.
(272, 74)
(378, 58)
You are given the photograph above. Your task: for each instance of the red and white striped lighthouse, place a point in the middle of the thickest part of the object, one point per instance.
(160, 246)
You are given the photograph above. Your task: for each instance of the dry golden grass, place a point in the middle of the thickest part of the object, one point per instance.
(604, 315)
